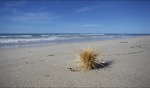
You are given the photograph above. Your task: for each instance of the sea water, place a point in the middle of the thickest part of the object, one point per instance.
(30, 40)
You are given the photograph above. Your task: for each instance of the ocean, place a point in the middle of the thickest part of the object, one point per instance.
(31, 40)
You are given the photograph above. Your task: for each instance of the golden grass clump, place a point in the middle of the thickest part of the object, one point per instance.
(88, 58)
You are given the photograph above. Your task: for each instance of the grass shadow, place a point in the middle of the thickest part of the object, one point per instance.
(107, 64)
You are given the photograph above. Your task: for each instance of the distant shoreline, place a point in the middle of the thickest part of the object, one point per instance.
(8, 41)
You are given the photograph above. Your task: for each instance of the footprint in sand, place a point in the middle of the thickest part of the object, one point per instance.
(46, 75)
(135, 52)
(124, 42)
(27, 62)
(139, 46)
(29, 51)
(42, 60)
(50, 55)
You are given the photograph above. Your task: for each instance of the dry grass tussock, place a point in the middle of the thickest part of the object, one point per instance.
(87, 58)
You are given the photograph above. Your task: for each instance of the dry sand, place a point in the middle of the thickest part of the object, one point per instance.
(46, 66)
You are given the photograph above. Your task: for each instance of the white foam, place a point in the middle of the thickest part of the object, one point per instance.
(7, 41)
(15, 36)
(23, 36)
(91, 34)
(47, 38)
(44, 35)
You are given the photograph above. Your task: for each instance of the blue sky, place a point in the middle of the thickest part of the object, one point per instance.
(58, 16)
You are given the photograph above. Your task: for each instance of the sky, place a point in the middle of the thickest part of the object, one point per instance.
(74, 16)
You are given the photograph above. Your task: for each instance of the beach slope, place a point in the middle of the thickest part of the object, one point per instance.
(49, 66)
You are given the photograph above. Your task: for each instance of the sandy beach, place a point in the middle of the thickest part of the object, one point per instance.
(47, 66)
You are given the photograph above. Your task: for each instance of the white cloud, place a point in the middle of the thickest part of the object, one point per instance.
(85, 9)
(33, 17)
(12, 13)
(101, 5)
(15, 3)
(12, 7)
(91, 25)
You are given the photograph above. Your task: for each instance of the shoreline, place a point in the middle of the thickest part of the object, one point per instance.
(71, 42)
(46, 66)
